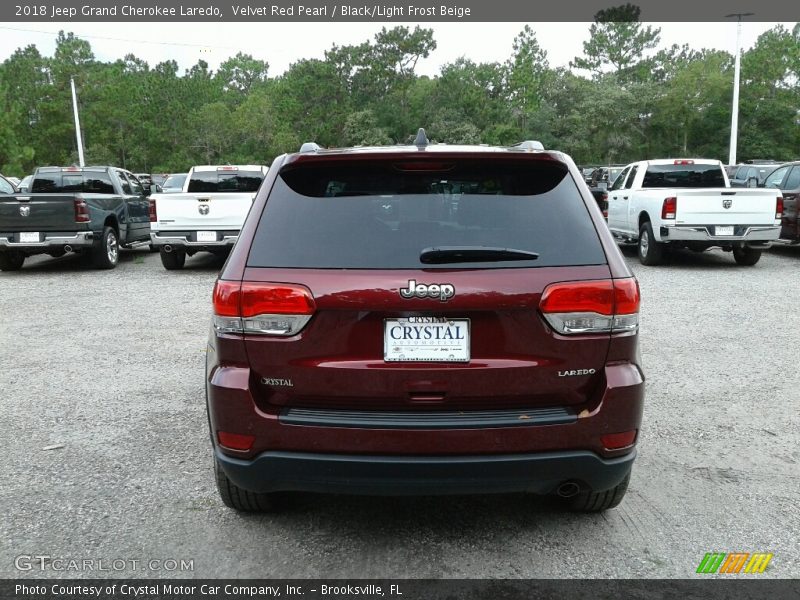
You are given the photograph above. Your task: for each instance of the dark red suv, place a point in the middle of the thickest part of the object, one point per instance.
(425, 319)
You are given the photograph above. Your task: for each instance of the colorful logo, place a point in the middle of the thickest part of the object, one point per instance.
(735, 562)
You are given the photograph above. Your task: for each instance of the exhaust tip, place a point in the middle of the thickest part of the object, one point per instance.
(568, 489)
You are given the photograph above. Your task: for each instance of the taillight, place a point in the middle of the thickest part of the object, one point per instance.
(683, 161)
(779, 207)
(152, 211)
(261, 308)
(669, 208)
(604, 306)
(81, 210)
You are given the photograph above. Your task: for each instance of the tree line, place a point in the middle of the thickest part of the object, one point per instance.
(619, 101)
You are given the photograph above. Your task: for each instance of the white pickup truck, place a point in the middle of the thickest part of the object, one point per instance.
(207, 215)
(688, 203)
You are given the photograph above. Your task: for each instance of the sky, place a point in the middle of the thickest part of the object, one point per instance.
(284, 43)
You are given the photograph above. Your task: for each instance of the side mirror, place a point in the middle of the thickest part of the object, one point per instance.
(752, 182)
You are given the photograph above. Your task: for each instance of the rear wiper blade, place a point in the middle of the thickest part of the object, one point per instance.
(456, 254)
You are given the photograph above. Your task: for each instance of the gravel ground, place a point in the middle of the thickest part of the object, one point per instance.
(108, 367)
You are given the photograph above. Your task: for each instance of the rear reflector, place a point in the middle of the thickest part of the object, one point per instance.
(616, 441)
(261, 308)
(669, 208)
(235, 441)
(603, 306)
(779, 207)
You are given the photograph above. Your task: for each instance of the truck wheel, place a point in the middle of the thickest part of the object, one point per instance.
(11, 261)
(173, 261)
(106, 255)
(651, 252)
(599, 501)
(235, 497)
(746, 256)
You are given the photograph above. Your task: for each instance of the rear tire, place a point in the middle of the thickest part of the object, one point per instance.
(239, 499)
(106, 255)
(651, 252)
(173, 261)
(599, 501)
(746, 256)
(11, 261)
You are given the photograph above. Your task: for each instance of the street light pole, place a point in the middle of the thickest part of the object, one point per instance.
(77, 122)
(736, 72)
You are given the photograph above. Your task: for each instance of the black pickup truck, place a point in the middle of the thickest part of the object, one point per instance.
(91, 210)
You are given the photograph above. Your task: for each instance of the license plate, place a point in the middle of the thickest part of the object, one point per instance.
(206, 236)
(426, 339)
(723, 230)
(29, 237)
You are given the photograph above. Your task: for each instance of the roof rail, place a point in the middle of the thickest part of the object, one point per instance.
(529, 145)
(310, 147)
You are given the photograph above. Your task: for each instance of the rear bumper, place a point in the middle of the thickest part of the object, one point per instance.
(539, 473)
(56, 241)
(705, 233)
(189, 239)
(419, 452)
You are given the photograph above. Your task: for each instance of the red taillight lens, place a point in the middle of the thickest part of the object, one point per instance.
(226, 298)
(261, 308)
(779, 207)
(683, 162)
(152, 211)
(276, 299)
(604, 306)
(579, 296)
(81, 210)
(235, 441)
(669, 208)
(616, 441)
(626, 296)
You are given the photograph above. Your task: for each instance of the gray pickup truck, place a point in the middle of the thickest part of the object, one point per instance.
(90, 210)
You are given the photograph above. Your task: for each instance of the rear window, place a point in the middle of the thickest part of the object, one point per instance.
(225, 181)
(73, 182)
(383, 215)
(683, 176)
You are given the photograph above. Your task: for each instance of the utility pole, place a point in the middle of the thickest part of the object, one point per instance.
(77, 123)
(736, 72)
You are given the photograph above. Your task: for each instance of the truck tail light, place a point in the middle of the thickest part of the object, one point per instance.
(261, 308)
(603, 306)
(605, 205)
(81, 210)
(779, 207)
(151, 210)
(669, 208)
(682, 161)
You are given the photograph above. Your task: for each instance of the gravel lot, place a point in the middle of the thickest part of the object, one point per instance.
(108, 366)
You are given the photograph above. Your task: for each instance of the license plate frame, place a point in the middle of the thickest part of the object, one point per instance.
(206, 236)
(29, 237)
(723, 230)
(429, 347)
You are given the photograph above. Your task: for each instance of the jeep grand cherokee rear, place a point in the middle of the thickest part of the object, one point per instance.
(424, 320)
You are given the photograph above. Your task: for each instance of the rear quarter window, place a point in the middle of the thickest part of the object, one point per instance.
(382, 215)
